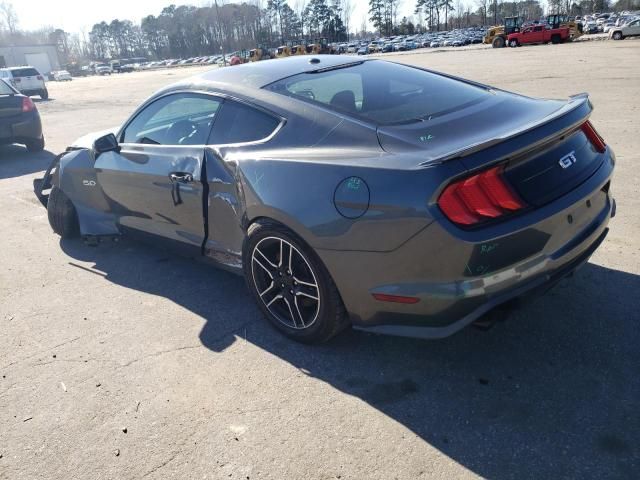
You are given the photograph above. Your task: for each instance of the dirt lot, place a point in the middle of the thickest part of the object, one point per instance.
(98, 340)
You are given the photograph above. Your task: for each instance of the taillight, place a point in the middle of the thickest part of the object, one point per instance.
(593, 136)
(27, 105)
(480, 197)
(39, 77)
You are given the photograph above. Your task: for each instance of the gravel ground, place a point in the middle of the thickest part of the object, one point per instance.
(124, 361)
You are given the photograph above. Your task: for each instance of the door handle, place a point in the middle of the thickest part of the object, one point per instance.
(181, 177)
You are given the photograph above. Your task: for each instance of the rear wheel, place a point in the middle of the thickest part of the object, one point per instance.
(291, 285)
(555, 39)
(44, 94)
(513, 43)
(617, 36)
(498, 42)
(36, 145)
(62, 214)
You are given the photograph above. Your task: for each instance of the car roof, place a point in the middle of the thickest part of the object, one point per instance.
(19, 68)
(262, 73)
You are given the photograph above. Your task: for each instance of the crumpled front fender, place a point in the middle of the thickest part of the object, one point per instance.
(73, 172)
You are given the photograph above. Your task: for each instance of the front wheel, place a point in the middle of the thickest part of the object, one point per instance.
(62, 214)
(513, 43)
(617, 36)
(291, 285)
(44, 94)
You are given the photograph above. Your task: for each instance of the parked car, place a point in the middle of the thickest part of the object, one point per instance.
(27, 80)
(102, 69)
(19, 119)
(591, 28)
(363, 51)
(631, 29)
(391, 223)
(61, 76)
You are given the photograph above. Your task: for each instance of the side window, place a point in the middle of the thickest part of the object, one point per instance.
(239, 123)
(178, 119)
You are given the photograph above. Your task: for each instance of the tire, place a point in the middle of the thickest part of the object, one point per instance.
(62, 214)
(306, 306)
(35, 146)
(555, 39)
(498, 42)
(617, 36)
(44, 94)
(513, 43)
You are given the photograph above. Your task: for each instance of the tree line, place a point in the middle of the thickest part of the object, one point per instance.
(185, 30)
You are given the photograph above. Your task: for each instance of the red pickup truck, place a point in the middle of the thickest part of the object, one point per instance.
(538, 34)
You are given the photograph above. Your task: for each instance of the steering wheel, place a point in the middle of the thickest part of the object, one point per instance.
(181, 130)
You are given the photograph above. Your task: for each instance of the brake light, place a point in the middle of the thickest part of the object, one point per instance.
(593, 136)
(480, 197)
(27, 105)
(39, 77)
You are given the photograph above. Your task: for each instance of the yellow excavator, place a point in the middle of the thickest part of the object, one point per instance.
(562, 21)
(497, 36)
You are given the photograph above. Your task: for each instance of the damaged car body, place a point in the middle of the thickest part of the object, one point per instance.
(350, 192)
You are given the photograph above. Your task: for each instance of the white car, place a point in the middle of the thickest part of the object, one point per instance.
(631, 29)
(27, 80)
(103, 69)
(61, 76)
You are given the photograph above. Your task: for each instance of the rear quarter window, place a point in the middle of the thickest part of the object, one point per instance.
(239, 123)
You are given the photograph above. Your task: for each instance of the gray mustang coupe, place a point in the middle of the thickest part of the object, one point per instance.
(350, 192)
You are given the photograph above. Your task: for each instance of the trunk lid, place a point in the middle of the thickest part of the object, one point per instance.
(545, 152)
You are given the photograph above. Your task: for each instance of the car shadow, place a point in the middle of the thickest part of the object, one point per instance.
(551, 392)
(16, 161)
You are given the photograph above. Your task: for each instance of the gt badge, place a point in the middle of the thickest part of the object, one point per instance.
(568, 160)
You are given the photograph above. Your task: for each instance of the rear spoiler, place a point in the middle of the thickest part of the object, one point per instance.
(575, 102)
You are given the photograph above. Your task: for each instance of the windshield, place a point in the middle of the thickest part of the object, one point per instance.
(381, 92)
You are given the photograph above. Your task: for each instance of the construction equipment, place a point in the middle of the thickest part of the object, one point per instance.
(562, 21)
(283, 51)
(259, 53)
(320, 47)
(298, 50)
(497, 36)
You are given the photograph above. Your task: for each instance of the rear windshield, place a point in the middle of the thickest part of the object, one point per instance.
(381, 92)
(24, 72)
(5, 89)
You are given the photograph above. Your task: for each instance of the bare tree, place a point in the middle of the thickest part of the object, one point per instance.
(9, 17)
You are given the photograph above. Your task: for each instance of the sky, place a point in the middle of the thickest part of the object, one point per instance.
(78, 15)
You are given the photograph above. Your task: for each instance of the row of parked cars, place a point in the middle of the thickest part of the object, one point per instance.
(607, 22)
(453, 38)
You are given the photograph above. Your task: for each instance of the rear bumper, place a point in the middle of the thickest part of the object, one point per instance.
(20, 128)
(458, 276)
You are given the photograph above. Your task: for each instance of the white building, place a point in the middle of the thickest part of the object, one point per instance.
(43, 57)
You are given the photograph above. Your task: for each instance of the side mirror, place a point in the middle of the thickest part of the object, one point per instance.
(107, 143)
